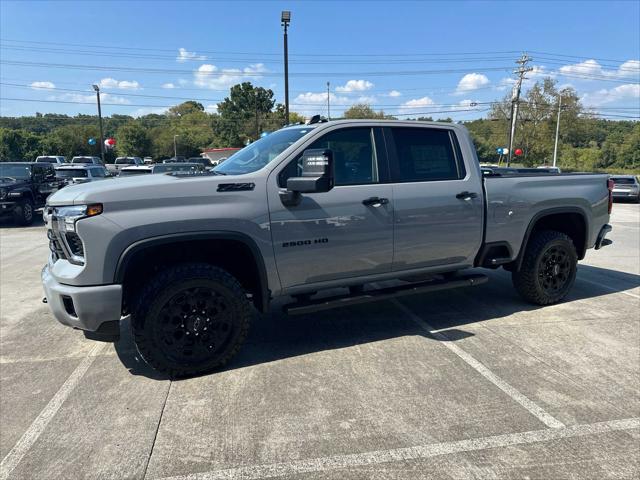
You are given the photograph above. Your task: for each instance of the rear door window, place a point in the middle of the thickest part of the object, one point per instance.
(426, 154)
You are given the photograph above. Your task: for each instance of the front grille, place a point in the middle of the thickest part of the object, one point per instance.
(75, 244)
(54, 246)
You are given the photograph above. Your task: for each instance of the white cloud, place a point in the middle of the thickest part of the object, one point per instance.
(213, 108)
(630, 68)
(603, 96)
(184, 55)
(210, 76)
(471, 81)
(394, 93)
(43, 85)
(168, 85)
(416, 103)
(313, 103)
(355, 86)
(368, 99)
(105, 98)
(118, 84)
(140, 112)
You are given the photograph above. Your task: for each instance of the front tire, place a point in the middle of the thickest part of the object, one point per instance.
(191, 319)
(23, 213)
(548, 268)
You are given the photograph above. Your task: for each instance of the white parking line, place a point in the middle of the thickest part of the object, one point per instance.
(336, 462)
(34, 431)
(532, 407)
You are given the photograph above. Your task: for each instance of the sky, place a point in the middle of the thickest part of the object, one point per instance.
(440, 59)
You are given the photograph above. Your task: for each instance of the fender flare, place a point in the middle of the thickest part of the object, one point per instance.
(545, 213)
(140, 245)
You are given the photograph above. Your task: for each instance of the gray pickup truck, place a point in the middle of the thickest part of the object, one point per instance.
(303, 212)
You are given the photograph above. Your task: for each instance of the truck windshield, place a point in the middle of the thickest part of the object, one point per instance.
(258, 154)
(15, 171)
(46, 160)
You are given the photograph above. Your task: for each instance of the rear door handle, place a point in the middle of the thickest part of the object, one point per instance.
(466, 195)
(375, 201)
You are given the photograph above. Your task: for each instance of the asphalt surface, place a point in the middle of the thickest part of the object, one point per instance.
(471, 383)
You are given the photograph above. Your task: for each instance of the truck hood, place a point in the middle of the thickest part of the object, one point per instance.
(12, 184)
(159, 188)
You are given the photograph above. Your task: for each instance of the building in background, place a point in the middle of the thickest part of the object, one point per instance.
(217, 155)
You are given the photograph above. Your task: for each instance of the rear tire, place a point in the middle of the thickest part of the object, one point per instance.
(23, 213)
(191, 319)
(548, 268)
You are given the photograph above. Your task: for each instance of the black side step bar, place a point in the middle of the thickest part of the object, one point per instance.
(327, 303)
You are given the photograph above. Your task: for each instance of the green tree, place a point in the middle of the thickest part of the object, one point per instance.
(362, 110)
(133, 140)
(242, 115)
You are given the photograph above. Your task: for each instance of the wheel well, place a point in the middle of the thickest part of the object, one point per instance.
(570, 223)
(235, 256)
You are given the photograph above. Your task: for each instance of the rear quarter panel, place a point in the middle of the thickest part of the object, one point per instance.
(514, 202)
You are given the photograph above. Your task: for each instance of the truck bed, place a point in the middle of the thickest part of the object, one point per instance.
(514, 200)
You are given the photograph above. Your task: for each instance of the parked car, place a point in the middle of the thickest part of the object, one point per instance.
(626, 187)
(162, 168)
(121, 162)
(550, 169)
(148, 160)
(25, 187)
(54, 159)
(177, 159)
(85, 159)
(72, 174)
(205, 162)
(308, 208)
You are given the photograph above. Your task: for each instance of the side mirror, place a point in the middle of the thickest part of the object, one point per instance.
(317, 176)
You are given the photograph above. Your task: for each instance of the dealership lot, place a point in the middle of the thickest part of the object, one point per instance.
(468, 383)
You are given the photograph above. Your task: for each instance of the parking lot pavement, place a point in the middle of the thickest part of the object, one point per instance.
(471, 383)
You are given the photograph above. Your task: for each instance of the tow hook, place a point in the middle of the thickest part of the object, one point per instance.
(44, 300)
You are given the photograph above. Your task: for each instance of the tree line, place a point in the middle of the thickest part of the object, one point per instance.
(585, 143)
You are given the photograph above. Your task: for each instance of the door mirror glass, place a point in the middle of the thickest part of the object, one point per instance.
(317, 172)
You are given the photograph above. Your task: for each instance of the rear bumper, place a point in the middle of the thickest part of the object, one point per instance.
(85, 308)
(601, 241)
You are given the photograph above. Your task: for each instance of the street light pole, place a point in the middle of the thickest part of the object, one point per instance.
(175, 147)
(555, 147)
(286, 19)
(97, 89)
(328, 102)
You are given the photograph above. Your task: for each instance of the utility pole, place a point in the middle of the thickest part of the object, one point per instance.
(555, 147)
(97, 89)
(175, 147)
(285, 19)
(328, 101)
(515, 99)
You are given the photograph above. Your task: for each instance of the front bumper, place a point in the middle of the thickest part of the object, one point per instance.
(7, 207)
(85, 308)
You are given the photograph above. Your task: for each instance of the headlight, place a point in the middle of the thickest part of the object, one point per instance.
(3, 193)
(63, 223)
(68, 216)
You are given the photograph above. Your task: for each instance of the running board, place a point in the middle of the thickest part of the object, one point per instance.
(309, 306)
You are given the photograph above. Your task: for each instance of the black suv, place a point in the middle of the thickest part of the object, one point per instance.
(24, 187)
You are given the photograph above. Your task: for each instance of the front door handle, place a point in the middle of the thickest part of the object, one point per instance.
(466, 195)
(375, 202)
